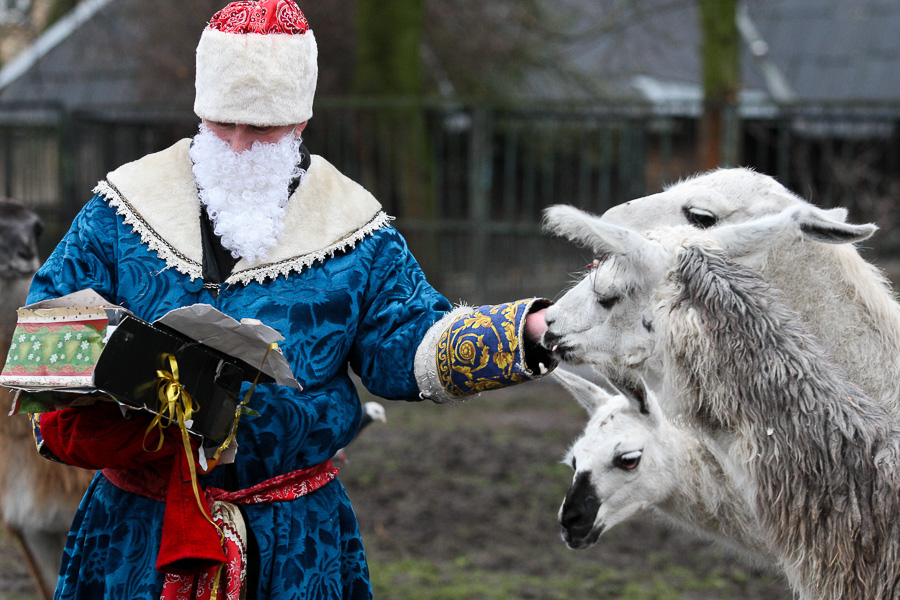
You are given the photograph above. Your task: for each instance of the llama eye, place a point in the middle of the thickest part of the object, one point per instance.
(701, 218)
(607, 302)
(628, 461)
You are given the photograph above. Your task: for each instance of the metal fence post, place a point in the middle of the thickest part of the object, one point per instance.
(480, 176)
(731, 136)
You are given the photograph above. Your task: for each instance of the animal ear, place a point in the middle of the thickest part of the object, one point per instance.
(603, 382)
(643, 400)
(590, 231)
(838, 214)
(742, 239)
(589, 395)
(829, 226)
(748, 237)
(636, 392)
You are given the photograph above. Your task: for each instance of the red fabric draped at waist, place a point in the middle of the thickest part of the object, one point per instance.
(289, 486)
(223, 581)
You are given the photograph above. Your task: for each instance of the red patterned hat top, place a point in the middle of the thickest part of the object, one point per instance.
(264, 16)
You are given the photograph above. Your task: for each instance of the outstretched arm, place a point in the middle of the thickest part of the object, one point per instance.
(413, 344)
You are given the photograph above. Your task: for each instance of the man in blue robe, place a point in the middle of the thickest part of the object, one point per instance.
(244, 219)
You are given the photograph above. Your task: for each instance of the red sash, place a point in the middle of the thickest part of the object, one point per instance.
(232, 574)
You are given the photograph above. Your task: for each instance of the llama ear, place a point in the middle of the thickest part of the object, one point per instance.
(639, 396)
(739, 240)
(838, 214)
(589, 395)
(755, 236)
(603, 382)
(590, 231)
(829, 226)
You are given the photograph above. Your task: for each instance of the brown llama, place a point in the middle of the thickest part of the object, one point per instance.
(38, 498)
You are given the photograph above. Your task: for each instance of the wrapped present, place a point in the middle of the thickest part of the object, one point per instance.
(57, 347)
(79, 349)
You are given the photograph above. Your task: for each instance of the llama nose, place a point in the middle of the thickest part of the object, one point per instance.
(579, 510)
(575, 521)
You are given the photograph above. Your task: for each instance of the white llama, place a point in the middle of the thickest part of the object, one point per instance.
(848, 303)
(631, 458)
(816, 458)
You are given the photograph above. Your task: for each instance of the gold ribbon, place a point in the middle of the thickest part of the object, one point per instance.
(240, 406)
(176, 405)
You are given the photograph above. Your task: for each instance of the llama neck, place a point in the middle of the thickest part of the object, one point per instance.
(818, 454)
(850, 309)
(699, 502)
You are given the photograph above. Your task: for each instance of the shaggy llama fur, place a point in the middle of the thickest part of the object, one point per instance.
(819, 456)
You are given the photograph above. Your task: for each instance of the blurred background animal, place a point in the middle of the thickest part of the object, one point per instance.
(38, 498)
(372, 411)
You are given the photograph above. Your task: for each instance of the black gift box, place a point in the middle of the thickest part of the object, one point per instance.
(127, 371)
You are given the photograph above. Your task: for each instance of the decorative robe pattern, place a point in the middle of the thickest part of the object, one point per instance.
(344, 290)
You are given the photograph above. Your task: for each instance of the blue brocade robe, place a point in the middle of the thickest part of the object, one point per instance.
(343, 289)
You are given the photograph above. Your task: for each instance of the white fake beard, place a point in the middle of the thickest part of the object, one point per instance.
(245, 193)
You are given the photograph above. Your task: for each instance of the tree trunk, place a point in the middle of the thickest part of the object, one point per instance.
(389, 65)
(389, 39)
(720, 56)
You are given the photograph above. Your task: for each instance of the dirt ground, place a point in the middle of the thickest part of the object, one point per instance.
(460, 501)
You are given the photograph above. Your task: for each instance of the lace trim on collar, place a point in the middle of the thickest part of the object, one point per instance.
(166, 252)
(297, 264)
(175, 259)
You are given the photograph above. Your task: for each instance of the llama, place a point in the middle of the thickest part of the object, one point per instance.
(846, 301)
(630, 458)
(38, 498)
(848, 304)
(586, 325)
(815, 456)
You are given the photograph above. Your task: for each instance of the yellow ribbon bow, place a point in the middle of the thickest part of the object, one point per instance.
(175, 403)
(177, 406)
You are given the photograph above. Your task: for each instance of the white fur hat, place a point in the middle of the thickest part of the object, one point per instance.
(257, 64)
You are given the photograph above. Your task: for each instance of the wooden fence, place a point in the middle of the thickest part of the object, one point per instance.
(468, 183)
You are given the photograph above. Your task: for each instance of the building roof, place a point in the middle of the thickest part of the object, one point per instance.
(124, 56)
(832, 50)
(793, 50)
(139, 54)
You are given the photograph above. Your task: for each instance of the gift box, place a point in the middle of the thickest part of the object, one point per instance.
(79, 348)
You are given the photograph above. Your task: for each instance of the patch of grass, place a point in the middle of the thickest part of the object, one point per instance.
(413, 579)
(15, 582)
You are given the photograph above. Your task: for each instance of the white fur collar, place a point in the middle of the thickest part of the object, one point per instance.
(158, 197)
